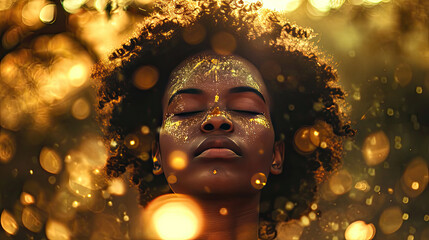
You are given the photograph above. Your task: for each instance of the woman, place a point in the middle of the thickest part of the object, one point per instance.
(238, 94)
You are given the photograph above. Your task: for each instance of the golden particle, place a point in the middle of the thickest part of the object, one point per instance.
(223, 211)
(145, 130)
(360, 230)
(50, 161)
(214, 172)
(8, 222)
(258, 180)
(376, 148)
(391, 220)
(145, 77)
(172, 179)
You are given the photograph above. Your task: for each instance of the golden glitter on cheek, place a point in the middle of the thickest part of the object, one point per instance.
(179, 130)
(261, 120)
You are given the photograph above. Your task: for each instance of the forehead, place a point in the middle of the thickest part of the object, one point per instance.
(211, 70)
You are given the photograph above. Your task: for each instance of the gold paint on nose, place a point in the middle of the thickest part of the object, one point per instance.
(215, 111)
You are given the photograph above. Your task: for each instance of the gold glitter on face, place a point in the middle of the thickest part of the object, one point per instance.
(261, 120)
(212, 98)
(195, 71)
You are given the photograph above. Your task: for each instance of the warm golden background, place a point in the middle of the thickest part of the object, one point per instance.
(51, 158)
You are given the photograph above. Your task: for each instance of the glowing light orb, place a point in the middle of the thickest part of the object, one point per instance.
(194, 35)
(289, 230)
(403, 74)
(178, 160)
(145, 130)
(132, 141)
(145, 77)
(173, 216)
(415, 178)
(172, 179)
(258, 180)
(81, 109)
(223, 211)
(50, 161)
(223, 43)
(77, 75)
(280, 5)
(26, 199)
(376, 148)
(359, 230)
(72, 6)
(32, 219)
(390, 220)
(341, 182)
(117, 187)
(7, 147)
(8, 223)
(56, 230)
(47, 14)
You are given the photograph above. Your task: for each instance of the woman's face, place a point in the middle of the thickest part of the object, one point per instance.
(217, 132)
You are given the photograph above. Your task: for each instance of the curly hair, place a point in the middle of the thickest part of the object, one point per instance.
(301, 83)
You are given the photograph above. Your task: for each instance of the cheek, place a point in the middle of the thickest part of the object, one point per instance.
(174, 139)
(258, 134)
(179, 131)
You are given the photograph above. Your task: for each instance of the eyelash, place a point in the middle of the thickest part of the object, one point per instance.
(247, 112)
(189, 114)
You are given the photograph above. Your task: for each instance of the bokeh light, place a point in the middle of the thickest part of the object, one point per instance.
(289, 230)
(390, 220)
(32, 219)
(50, 161)
(48, 13)
(178, 160)
(376, 148)
(145, 77)
(81, 109)
(195, 34)
(341, 182)
(306, 139)
(280, 5)
(72, 6)
(359, 230)
(258, 180)
(26, 198)
(7, 147)
(403, 74)
(56, 230)
(173, 216)
(415, 178)
(116, 187)
(8, 222)
(223, 43)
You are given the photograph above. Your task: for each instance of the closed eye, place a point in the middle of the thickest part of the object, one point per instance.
(187, 114)
(247, 112)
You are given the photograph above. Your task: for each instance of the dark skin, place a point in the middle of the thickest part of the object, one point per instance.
(217, 141)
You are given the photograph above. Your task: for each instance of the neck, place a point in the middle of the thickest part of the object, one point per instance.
(232, 218)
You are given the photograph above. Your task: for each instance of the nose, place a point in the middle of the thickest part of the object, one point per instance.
(218, 122)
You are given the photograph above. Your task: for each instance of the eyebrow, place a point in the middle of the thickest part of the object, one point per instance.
(246, 89)
(186, 90)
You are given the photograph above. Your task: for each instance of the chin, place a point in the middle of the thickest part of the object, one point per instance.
(214, 186)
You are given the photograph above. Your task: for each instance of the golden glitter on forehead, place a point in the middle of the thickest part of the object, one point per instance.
(199, 67)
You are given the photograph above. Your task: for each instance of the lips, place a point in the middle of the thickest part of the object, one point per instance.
(218, 148)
